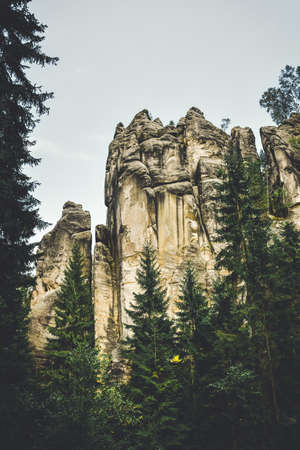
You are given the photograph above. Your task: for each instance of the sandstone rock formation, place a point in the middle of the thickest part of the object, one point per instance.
(284, 165)
(53, 255)
(158, 186)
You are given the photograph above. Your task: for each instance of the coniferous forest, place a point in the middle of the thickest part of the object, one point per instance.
(223, 374)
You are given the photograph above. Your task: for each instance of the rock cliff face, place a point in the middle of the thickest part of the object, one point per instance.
(158, 186)
(284, 166)
(54, 252)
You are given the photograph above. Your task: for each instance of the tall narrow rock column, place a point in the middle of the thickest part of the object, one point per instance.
(159, 185)
(53, 254)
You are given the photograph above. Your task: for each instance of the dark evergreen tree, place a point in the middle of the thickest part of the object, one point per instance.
(258, 263)
(74, 321)
(72, 365)
(234, 389)
(20, 37)
(228, 319)
(149, 349)
(243, 224)
(239, 309)
(195, 348)
(229, 198)
(284, 335)
(21, 102)
(72, 406)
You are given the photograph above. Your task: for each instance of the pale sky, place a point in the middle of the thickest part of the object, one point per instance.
(119, 57)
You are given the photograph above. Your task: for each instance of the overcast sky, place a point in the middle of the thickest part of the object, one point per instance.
(118, 57)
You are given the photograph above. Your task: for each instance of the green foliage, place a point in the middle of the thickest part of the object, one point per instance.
(235, 398)
(295, 142)
(241, 199)
(93, 413)
(195, 344)
(282, 101)
(148, 350)
(71, 411)
(255, 312)
(74, 320)
(115, 415)
(72, 362)
(21, 103)
(278, 202)
(244, 233)
(285, 313)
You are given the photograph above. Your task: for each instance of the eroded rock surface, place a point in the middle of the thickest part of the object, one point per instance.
(159, 183)
(284, 166)
(53, 254)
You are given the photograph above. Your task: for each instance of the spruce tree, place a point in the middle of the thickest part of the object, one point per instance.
(195, 342)
(70, 375)
(74, 321)
(72, 405)
(240, 309)
(284, 312)
(234, 387)
(21, 102)
(149, 349)
(258, 263)
(230, 200)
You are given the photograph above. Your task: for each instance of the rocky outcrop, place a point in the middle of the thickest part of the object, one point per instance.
(159, 185)
(283, 161)
(53, 254)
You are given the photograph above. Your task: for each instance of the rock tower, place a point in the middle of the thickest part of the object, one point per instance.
(158, 186)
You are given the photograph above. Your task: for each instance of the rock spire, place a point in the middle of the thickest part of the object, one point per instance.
(159, 183)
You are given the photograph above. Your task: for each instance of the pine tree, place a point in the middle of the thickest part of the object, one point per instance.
(240, 310)
(234, 389)
(149, 349)
(258, 263)
(20, 37)
(241, 210)
(74, 320)
(284, 312)
(70, 375)
(228, 316)
(195, 347)
(72, 405)
(21, 102)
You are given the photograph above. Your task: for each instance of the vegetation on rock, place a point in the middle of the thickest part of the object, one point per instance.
(224, 373)
(280, 102)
